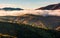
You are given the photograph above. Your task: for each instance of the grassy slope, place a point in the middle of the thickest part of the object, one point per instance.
(26, 31)
(51, 22)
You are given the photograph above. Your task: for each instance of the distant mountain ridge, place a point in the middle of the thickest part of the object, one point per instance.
(10, 9)
(50, 7)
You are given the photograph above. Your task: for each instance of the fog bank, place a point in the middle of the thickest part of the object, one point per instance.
(35, 12)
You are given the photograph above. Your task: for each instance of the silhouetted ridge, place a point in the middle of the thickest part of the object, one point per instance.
(10, 9)
(50, 7)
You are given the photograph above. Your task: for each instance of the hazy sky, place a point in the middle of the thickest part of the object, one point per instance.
(27, 4)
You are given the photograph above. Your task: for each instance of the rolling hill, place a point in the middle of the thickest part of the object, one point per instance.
(50, 22)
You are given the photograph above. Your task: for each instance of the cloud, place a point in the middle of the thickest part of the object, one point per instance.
(34, 12)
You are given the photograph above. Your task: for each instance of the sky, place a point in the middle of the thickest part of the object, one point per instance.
(27, 4)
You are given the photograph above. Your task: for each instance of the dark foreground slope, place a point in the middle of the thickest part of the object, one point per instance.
(25, 31)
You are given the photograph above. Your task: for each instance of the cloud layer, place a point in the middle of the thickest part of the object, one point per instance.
(35, 12)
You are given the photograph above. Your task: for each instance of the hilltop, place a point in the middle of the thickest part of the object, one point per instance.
(50, 7)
